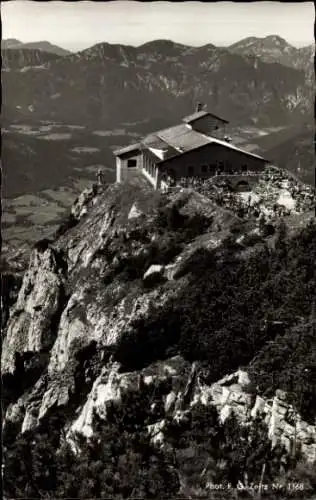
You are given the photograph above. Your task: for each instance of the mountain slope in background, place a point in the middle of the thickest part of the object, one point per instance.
(291, 147)
(296, 155)
(109, 84)
(23, 59)
(274, 49)
(12, 43)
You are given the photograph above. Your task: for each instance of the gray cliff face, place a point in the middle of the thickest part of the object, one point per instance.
(76, 305)
(30, 327)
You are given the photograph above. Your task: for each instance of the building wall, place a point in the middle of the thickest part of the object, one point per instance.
(145, 163)
(208, 124)
(204, 163)
(123, 171)
(149, 168)
(209, 161)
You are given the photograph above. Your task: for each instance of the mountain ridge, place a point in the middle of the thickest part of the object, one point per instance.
(42, 45)
(276, 49)
(176, 75)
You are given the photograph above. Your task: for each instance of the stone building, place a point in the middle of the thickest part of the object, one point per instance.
(197, 147)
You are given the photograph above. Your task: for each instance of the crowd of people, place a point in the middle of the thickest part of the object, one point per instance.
(262, 201)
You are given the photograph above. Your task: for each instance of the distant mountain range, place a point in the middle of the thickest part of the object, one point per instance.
(274, 49)
(44, 46)
(23, 59)
(264, 83)
(109, 84)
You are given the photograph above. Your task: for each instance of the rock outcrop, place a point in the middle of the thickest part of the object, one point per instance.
(154, 272)
(285, 426)
(229, 395)
(134, 212)
(110, 385)
(33, 322)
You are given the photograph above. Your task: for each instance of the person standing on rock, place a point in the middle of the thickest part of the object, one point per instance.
(100, 177)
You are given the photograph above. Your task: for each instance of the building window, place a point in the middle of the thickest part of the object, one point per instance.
(204, 168)
(132, 163)
(191, 170)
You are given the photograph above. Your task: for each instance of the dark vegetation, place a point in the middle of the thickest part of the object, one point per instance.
(226, 316)
(120, 462)
(289, 363)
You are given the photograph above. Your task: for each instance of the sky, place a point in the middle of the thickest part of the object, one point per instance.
(76, 25)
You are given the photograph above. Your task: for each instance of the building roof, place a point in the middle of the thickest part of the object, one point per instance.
(127, 149)
(182, 138)
(201, 114)
(214, 140)
(158, 146)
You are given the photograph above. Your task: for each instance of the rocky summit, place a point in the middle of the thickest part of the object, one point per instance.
(170, 332)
